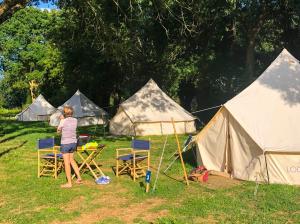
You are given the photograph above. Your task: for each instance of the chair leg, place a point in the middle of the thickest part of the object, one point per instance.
(117, 168)
(39, 169)
(134, 168)
(55, 167)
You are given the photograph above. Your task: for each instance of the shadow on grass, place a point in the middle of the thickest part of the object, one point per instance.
(24, 133)
(173, 178)
(17, 129)
(10, 126)
(12, 148)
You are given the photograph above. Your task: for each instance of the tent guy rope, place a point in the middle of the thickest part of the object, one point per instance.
(205, 109)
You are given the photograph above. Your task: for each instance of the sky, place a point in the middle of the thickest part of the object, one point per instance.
(43, 5)
(48, 5)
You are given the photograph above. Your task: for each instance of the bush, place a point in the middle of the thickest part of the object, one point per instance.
(9, 112)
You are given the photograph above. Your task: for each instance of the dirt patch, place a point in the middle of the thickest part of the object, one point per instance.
(122, 208)
(108, 205)
(219, 182)
(20, 210)
(209, 220)
(74, 205)
(2, 202)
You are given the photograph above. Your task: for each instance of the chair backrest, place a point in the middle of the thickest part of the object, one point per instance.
(140, 144)
(45, 143)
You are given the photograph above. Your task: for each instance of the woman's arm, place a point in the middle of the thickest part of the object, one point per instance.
(59, 128)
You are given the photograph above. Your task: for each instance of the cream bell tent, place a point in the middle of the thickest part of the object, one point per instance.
(86, 112)
(149, 112)
(39, 110)
(256, 134)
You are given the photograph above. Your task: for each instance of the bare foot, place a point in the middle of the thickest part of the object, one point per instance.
(66, 185)
(79, 181)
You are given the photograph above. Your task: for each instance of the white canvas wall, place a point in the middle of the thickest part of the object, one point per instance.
(149, 112)
(255, 136)
(39, 110)
(86, 112)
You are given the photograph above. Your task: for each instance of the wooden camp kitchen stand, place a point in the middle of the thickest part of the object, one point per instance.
(87, 157)
(179, 153)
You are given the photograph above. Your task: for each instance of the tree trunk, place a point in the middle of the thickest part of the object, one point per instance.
(186, 94)
(33, 85)
(250, 60)
(252, 36)
(9, 7)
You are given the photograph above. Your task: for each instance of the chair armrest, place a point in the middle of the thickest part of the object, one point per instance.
(123, 152)
(123, 149)
(47, 150)
(56, 149)
(140, 151)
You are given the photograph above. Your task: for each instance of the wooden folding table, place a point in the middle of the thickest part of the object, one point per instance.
(88, 156)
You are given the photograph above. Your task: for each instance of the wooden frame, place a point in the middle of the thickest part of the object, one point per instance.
(132, 162)
(180, 154)
(49, 164)
(88, 157)
(124, 166)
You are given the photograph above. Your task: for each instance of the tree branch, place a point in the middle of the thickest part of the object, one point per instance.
(9, 7)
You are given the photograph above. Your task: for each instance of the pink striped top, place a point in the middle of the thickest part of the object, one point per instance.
(68, 128)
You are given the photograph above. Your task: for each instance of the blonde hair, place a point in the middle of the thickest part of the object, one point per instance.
(68, 111)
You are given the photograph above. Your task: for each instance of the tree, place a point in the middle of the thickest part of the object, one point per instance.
(28, 57)
(201, 53)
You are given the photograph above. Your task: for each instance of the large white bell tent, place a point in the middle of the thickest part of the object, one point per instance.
(86, 112)
(149, 112)
(39, 110)
(256, 134)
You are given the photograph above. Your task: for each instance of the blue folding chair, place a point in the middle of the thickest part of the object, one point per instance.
(50, 161)
(135, 160)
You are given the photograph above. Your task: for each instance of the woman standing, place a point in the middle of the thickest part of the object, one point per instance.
(67, 127)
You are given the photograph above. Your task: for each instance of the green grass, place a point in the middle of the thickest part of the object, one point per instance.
(24, 198)
(6, 113)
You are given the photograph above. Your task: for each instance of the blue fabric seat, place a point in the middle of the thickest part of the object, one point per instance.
(130, 156)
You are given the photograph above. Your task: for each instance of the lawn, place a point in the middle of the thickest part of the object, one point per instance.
(24, 198)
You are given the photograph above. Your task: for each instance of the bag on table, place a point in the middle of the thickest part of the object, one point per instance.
(90, 145)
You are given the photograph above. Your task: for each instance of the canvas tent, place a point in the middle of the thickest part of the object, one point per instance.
(149, 112)
(86, 112)
(39, 110)
(255, 135)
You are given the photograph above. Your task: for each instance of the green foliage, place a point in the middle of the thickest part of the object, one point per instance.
(201, 53)
(195, 50)
(27, 55)
(9, 112)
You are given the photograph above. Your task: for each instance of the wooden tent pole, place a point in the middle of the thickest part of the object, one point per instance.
(267, 167)
(179, 153)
